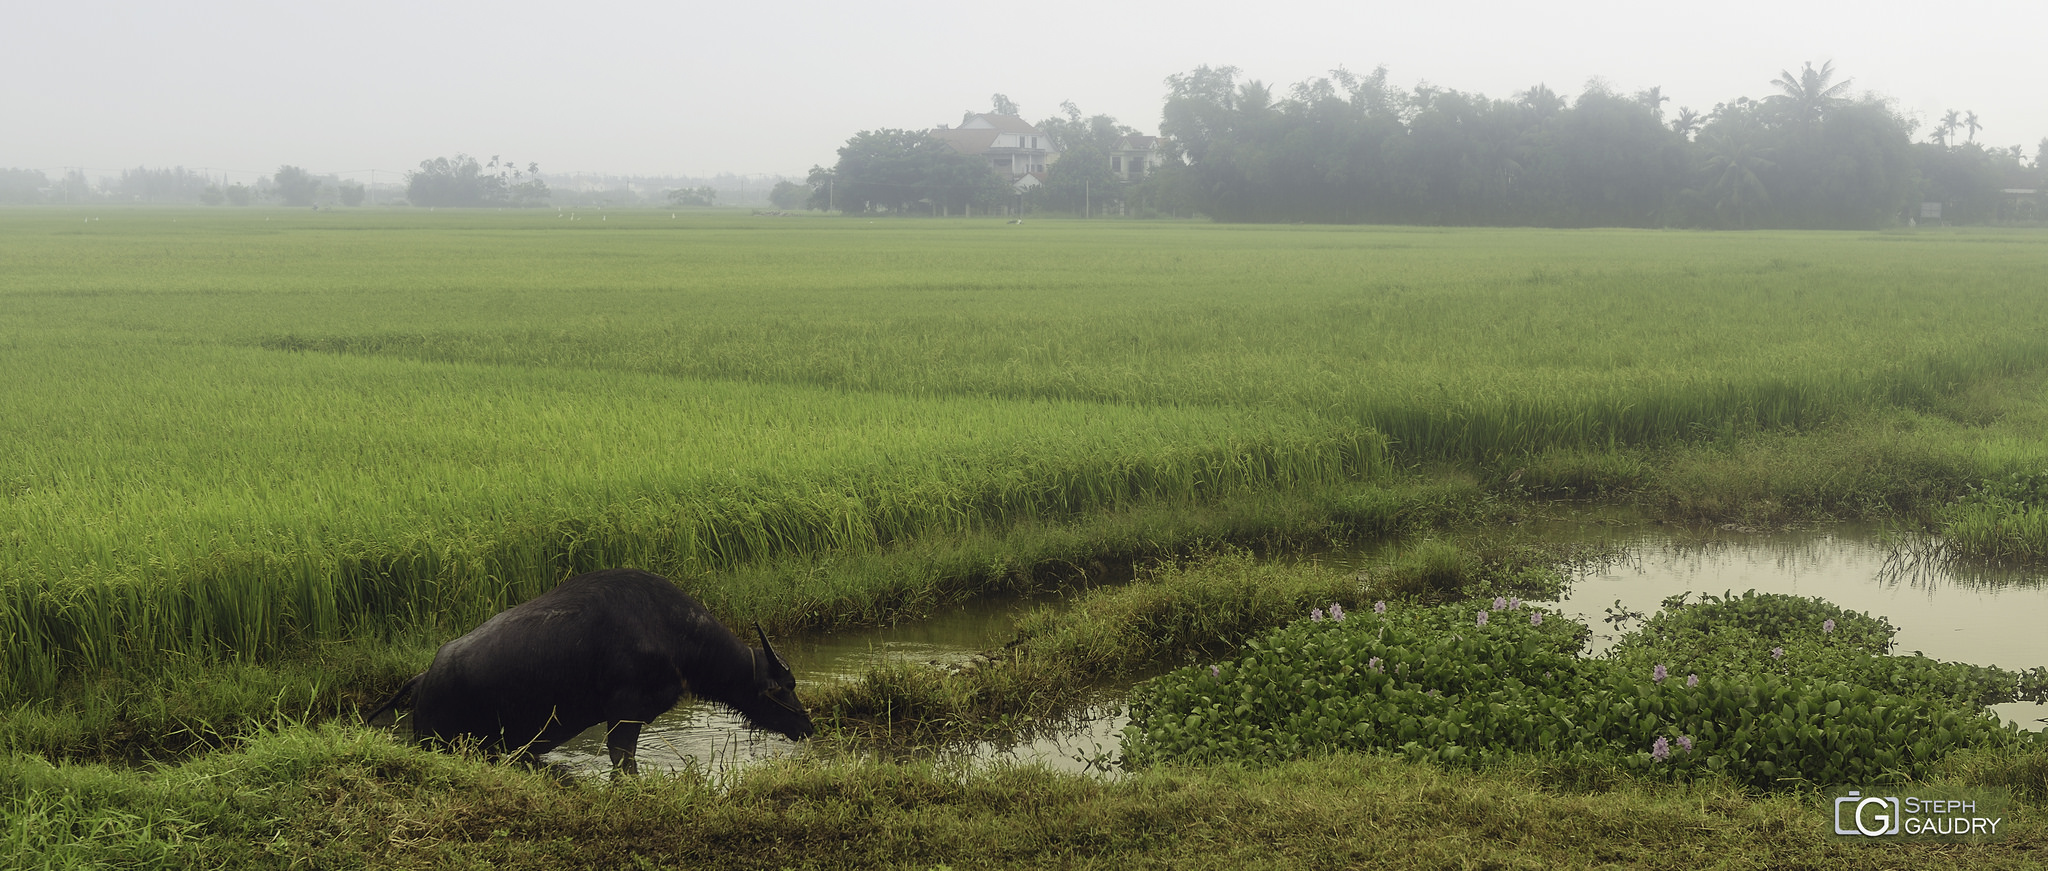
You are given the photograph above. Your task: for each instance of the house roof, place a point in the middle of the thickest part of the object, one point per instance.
(966, 140)
(1000, 124)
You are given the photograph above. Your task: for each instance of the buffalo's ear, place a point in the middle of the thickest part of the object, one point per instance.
(777, 669)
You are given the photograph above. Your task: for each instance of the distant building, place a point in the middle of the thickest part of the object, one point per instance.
(1013, 148)
(1134, 156)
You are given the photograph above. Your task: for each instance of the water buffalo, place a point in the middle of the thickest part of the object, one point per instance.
(618, 647)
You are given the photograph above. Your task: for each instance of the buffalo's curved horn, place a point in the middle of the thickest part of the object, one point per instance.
(782, 668)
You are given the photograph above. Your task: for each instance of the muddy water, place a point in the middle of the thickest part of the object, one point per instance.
(1946, 612)
(1987, 618)
(712, 737)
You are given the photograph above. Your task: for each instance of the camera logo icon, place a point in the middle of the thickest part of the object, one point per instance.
(1871, 816)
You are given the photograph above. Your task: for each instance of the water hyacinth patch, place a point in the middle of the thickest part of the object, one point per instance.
(1423, 685)
(1746, 636)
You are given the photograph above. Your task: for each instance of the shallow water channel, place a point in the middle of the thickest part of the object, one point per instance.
(1987, 618)
(715, 738)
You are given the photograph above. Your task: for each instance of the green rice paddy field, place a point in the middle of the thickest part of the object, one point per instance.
(233, 436)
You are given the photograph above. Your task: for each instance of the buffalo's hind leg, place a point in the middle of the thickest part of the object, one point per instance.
(622, 739)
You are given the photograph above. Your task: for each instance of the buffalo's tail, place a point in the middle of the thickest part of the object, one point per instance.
(392, 704)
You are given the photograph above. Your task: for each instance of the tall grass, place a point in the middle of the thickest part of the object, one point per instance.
(230, 432)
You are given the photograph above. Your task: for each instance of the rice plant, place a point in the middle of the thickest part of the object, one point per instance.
(234, 432)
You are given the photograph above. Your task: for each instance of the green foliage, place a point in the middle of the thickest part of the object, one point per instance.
(145, 185)
(895, 170)
(1171, 612)
(789, 195)
(2003, 520)
(22, 186)
(1463, 684)
(472, 410)
(1348, 148)
(463, 182)
(693, 197)
(1803, 639)
(1080, 180)
(349, 798)
(295, 186)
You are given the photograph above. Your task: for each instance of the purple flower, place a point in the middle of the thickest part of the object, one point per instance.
(1827, 626)
(1661, 750)
(1316, 615)
(1536, 618)
(1514, 604)
(1374, 665)
(1336, 612)
(1482, 618)
(1500, 604)
(1777, 653)
(1658, 674)
(1215, 671)
(1685, 743)
(1692, 680)
(1380, 607)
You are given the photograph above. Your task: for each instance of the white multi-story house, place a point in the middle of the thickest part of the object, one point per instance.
(1010, 144)
(1134, 156)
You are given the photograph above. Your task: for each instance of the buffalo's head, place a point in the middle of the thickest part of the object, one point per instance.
(773, 705)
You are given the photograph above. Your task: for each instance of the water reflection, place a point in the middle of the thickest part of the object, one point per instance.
(1946, 611)
(1949, 612)
(713, 738)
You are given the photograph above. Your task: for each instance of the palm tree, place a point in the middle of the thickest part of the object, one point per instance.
(1812, 93)
(1970, 122)
(1946, 130)
(1655, 99)
(1733, 161)
(1541, 98)
(1687, 123)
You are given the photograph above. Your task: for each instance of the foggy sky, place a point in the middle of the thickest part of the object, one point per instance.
(696, 88)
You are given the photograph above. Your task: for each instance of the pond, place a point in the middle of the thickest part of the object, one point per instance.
(1948, 612)
(1977, 616)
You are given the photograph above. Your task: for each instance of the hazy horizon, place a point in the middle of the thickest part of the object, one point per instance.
(635, 89)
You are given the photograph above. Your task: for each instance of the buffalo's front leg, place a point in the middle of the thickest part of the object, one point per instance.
(622, 738)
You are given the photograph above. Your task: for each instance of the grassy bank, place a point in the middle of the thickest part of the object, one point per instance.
(338, 798)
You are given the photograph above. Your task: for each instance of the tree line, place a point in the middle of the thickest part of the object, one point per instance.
(290, 185)
(1354, 148)
(1346, 147)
